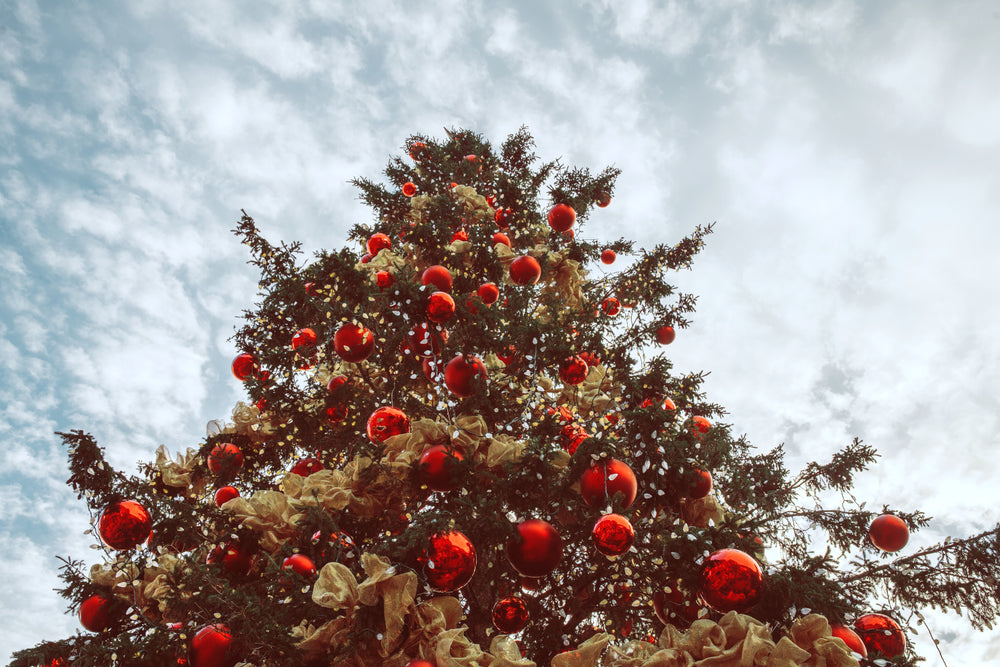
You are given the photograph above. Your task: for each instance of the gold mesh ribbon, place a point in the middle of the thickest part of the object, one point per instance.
(270, 514)
(699, 511)
(586, 654)
(178, 472)
(506, 653)
(565, 279)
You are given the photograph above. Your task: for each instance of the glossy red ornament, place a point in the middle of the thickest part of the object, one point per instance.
(225, 459)
(501, 238)
(307, 466)
(611, 306)
(474, 159)
(881, 635)
(225, 494)
(889, 533)
(603, 199)
(530, 583)
(438, 276)
(365, 258)
(384, 279)
(608, 256)
(510, 615)
(665, 335)
(418, 150)
(303, 337)
(700, 426)
(339, 547)
(409, 189)
(433, 369)
(449, 561)
(387, 422)
(124, 525)
(850, 638)
(488, 293)
(337, 411)
(701, 484)
(536, 549)
(573, 370)
(95, 612)
(464, 374)
(233, 560)
(731, 580)
(571, 436)
(503, 217)
(210, 647)
(245, 366)
(440, 307)
(419, 663)
(674, 605)
(561, 217)
(353, 343)
(436, 468)
(603, 481)
(460, 235)
(378, 242)
(422, 341)
(300, 564)
(612, 534)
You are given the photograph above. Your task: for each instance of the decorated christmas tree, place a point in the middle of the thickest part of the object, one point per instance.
(464, 445)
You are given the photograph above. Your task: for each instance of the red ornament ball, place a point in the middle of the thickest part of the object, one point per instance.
(422, 341)
(501, 238)
(611, 306)
(409, 189)
(881, 635)
(210, 647)
(536, 549)
(419, 663)
(604, 481)
(225, 459)
(502, 217)
(672, 604)
(378, 242)
(603, 199)
(700, 426)
(488, 293)
(365, 258)
(731, 580)
(353, 343)
(300, 564)
(449, 561)
(525, 270)
(850, 638)
(440, 307)
(613, 534)
(384, 279)
(387, 422)
(463, 375)
(95, 612)
(608, 256)
(225, 494)
(510, 615)
(561, 217)
(418, 150)
(438, 276)
(571, 436)
(231, 558)
(433, 369)
(437, 468)
(665, 335)
(701, 484)
(245, 366)
(303, 338)
(889, 533)
(530, 583)
(307, 466)
(124, 525)
(573, 370)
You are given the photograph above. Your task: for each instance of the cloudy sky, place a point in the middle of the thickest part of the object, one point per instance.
(848, 151)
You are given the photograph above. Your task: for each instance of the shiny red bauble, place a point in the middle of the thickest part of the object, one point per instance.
(95, 612)
(300, 564)
(384, 279)
(353, 343)
(245, 366)
(571, 436)
(409, 189)
(303, 338)
(510, 615)
(225, 494)
(881, 635)
(611, 306)
(674, 605)
(608, 256)
(501, 238)
(449, 561)
(463, 375)
(603, 199)
(488, 293)
(436, 468)
(365, 258)
(536, 549)
(561, 217)
(307, 466)
(502, 217)
(231, 558)
(225, 459)
(418, 150)
(612, 534)
(525, 270)
(210, 647)
(573, 370)
(731, 580)
(440, 307)
(700, 426)
(378, 242)
(422, 341)
(604, 481)
(889, 533)
(419, 663)
(850, 638)
(387, 422)
(438, 276)
(701, 484)
(460, 235)
(124, 525)
(665, 335)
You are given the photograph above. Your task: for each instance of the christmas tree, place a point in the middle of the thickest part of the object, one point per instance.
(465, 445)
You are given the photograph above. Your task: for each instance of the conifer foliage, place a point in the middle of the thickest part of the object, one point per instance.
(465, 444)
